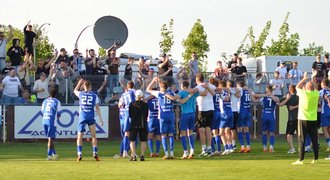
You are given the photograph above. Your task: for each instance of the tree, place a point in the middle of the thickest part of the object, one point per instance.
(196, 42)
(166, 41)
(102, 52)
(313, 50)
(256, 47)
(287, 44)
(44, 47)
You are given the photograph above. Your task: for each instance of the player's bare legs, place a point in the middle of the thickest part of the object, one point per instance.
(92, 129)
(202, 138)
(150, 142)
(79, 145)
(326, 131)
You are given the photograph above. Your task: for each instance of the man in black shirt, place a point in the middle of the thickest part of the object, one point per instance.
(7, 69)
(128, 69)
(233, 62)
(29, 36)
(320, 68)
(15, 54)
(63, 57)
(138, 112)
(163, 66)
(239, 71)
(292, 102)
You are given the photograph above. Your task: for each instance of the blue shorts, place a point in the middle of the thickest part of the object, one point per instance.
(50, 131)
(167, 126)
(244, 119)
(226, 120)
(153, 126)
(187, 121)
(268, 123)
(82, 124)
(325, 120)
(127, 123)
(216, 120)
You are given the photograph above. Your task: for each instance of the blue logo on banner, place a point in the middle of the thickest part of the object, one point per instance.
(25, 130)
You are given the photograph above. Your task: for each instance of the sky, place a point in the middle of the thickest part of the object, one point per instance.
(225, 21)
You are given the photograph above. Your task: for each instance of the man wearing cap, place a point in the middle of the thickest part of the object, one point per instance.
(320, 69)
(163, 66)
(282, 70)
(62, 56)
(3, 43)
(29, 36)
(113, 69)
(138, 112)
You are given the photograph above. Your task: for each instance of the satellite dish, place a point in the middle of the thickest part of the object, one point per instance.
(110, 32)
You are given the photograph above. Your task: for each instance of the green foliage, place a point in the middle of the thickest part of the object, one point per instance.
(166, 41)
(196, 42)
(102, 52)
(313, 50)
(287, 44)
(44, 47)
(256, 47)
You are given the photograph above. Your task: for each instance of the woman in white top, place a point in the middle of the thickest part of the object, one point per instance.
(41, 88)
(24, 71)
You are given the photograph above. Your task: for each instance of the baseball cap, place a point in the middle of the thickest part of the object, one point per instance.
(138, 93)
(282, 62)
(42, 74)
(151, 69)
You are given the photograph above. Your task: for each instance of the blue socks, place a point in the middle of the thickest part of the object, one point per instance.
(151, 146)
(240, 138)
(272, 140)
(171, 142)
(264, 139)
(164, 143)
(184, 142)
(49, 152)
(94, 149)
(79, 150)
(192, 142)
(126, 143)
(212, 144)
(218, 141)
(248, 138)
(121, 147)
(158, 142)
(308, 141)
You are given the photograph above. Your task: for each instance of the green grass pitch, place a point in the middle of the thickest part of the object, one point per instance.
(28, 161)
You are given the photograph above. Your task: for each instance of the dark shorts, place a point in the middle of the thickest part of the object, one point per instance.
(82, 125)
(291, 127)
(235, 119)
(143, 134)
(205, 119)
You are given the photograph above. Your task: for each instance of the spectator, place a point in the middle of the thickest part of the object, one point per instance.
(260, 83)
(182, 76)
(15, 53)
(44, 67)
(3, 43)
(129, 70)
(239, 71)
(90, 61)
(65, 76)
(99, 69)
(233, 62)
(77, 59)
(320, 69)
(295, 75)
(326, 63)
(143, 66)
(113, 66)
(282, 69)
(138, 112)
(11, 84)
(29, 36)
(193, 66)
(148, 78)
(63, 56)
(277, 84)
(163, 66)
(41, 87)
(5, 71)
(220, 73)
(25, 99)
(24, 70)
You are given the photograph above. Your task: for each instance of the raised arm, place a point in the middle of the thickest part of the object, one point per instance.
(168, 71)
(78, 86)
(288, 96)
(52, 60)
(149, 88)
(301, 83)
